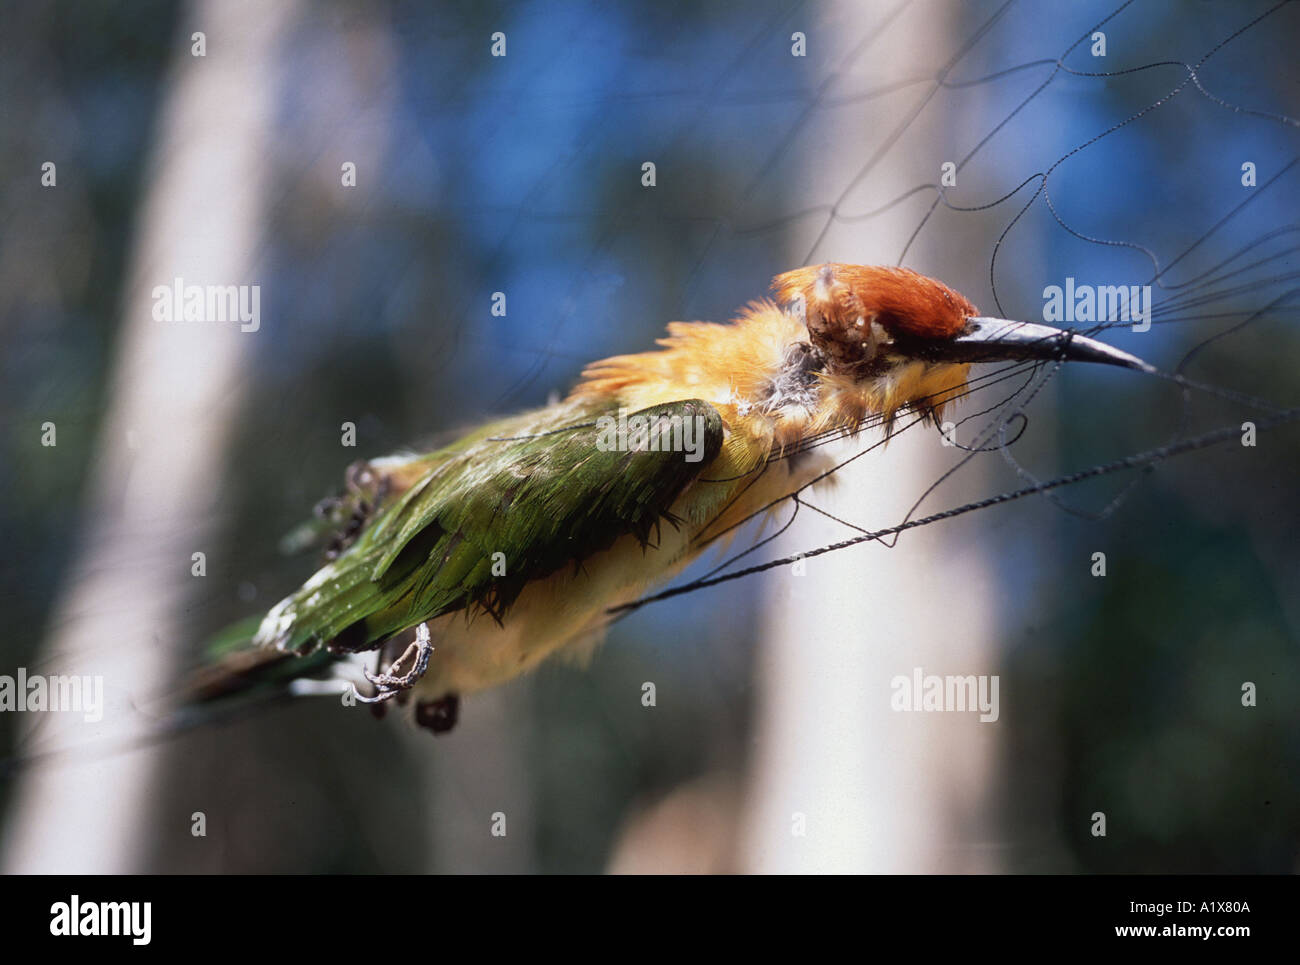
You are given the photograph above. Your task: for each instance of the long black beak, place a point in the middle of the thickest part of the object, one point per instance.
(1002, 340)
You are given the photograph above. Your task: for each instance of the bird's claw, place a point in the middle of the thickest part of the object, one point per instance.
(389, 685)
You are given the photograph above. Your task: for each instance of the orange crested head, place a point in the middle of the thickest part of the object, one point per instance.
(855, 312)
(846, 344)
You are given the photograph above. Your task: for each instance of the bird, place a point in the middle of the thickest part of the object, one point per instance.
(460, 569)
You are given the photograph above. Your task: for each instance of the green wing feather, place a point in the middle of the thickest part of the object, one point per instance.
(537, 489)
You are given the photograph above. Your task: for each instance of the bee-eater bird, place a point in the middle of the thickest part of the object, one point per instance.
(512, 544)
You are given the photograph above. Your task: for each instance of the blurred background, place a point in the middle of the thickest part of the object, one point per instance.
(781, 134)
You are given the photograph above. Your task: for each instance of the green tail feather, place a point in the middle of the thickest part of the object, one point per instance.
(234, 667)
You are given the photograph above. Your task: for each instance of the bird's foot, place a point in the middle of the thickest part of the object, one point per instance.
(438, 715)
(389, 685)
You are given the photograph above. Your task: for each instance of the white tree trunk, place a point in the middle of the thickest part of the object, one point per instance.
(840, 782)
(172, 400)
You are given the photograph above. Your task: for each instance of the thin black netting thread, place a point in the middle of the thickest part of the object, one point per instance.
(1136, 461)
